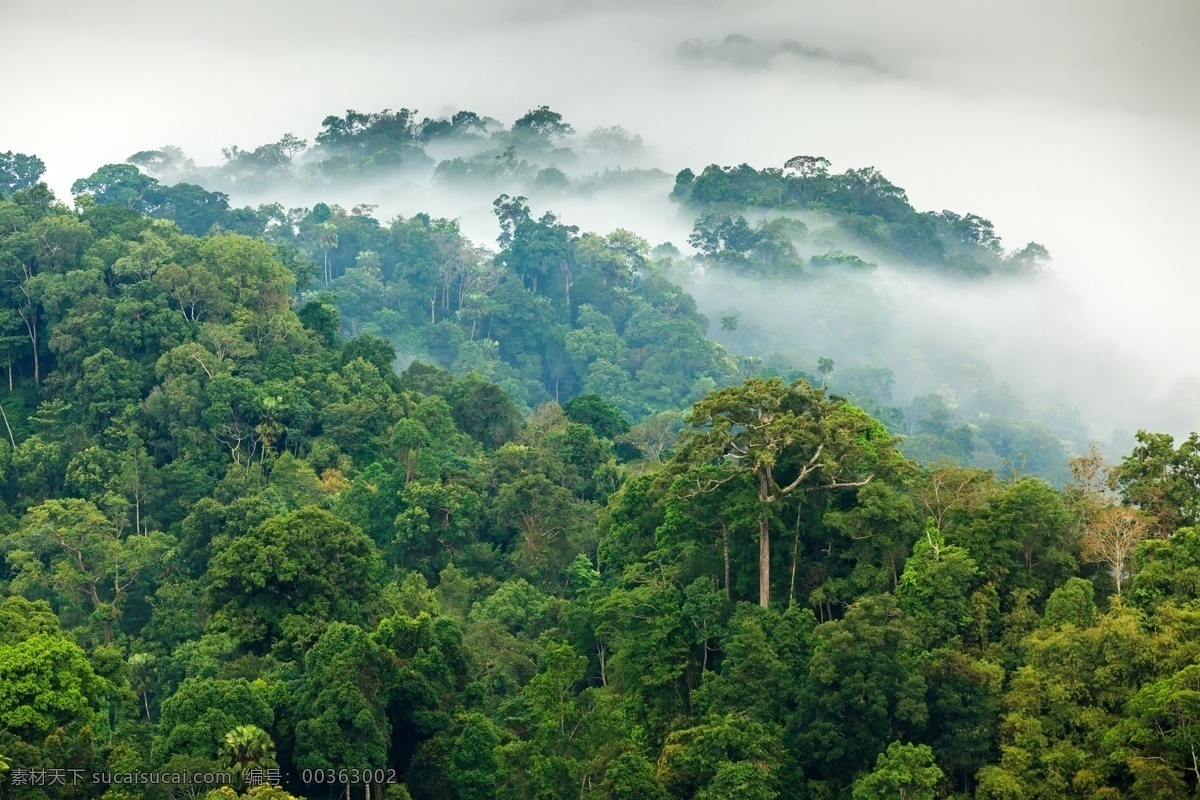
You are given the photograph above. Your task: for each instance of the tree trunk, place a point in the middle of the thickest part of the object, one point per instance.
(764, 562)
(725, 548)
(7, 427)
(765, 485)
(37, 367)
(795, 558)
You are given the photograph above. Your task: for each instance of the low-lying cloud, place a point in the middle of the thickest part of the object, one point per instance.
(741, 51)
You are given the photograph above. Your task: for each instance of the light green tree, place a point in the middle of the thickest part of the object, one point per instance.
(247, 747)
(903, 772)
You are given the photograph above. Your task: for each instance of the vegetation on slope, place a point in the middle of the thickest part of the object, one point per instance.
(235, 538)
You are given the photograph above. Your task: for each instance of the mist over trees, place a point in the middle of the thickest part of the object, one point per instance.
(364, 506)
(817, 233)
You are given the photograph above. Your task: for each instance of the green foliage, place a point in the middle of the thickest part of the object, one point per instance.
(630, 777)
(48, 685)
(598, 414)
(340, 719)
(721, 757)
(864, 689)
(19, 172)
(233, 534)
(902, 772)
(934, 590)
(285, 579)
(473, 760)
(1072, 604)
(1163, 480)
(247, 747)
(484, 411)
(197, 717)
(870, 210)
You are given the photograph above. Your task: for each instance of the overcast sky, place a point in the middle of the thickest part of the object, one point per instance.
(1075, 123)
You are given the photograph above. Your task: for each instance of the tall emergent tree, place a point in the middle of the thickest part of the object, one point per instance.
(790, 439)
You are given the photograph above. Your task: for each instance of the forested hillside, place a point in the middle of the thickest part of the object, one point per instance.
(298, 492)
(814, 237)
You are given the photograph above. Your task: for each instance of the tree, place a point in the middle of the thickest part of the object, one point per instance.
(296, 481)
(1112, 537)
(247, 747)
(19, 172)
(139, 678)
(655, 435)
(630, 777)
(484, 411)
(825, 367)
(1168, 711)
(902, 772)
(288, 577)
(341, 705)
(598, 414)
(1019, 538)
(89, 554)
(543, 515)
(740, 781)
(439, 521)
(1162, 480)
(935, 588)
(196, 718)
(48, 685)
(544, 123)
(722, 757)
(864, 689)
(788, 439)
(1030, 258)
(808, 166)
(947, 491)
(195, 289)
(327, 240)
(473, 760)
(117, 184)
(1073, 603)
(408, 438)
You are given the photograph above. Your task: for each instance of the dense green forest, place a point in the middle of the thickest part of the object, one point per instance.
(391, 514)
(622, 331)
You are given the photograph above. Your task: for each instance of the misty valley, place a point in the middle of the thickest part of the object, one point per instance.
(446, 458)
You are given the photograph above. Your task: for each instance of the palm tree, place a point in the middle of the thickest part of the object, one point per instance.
(269, 428)
(825, 367)
(327, 240)
(139, 678)
(247, 747)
